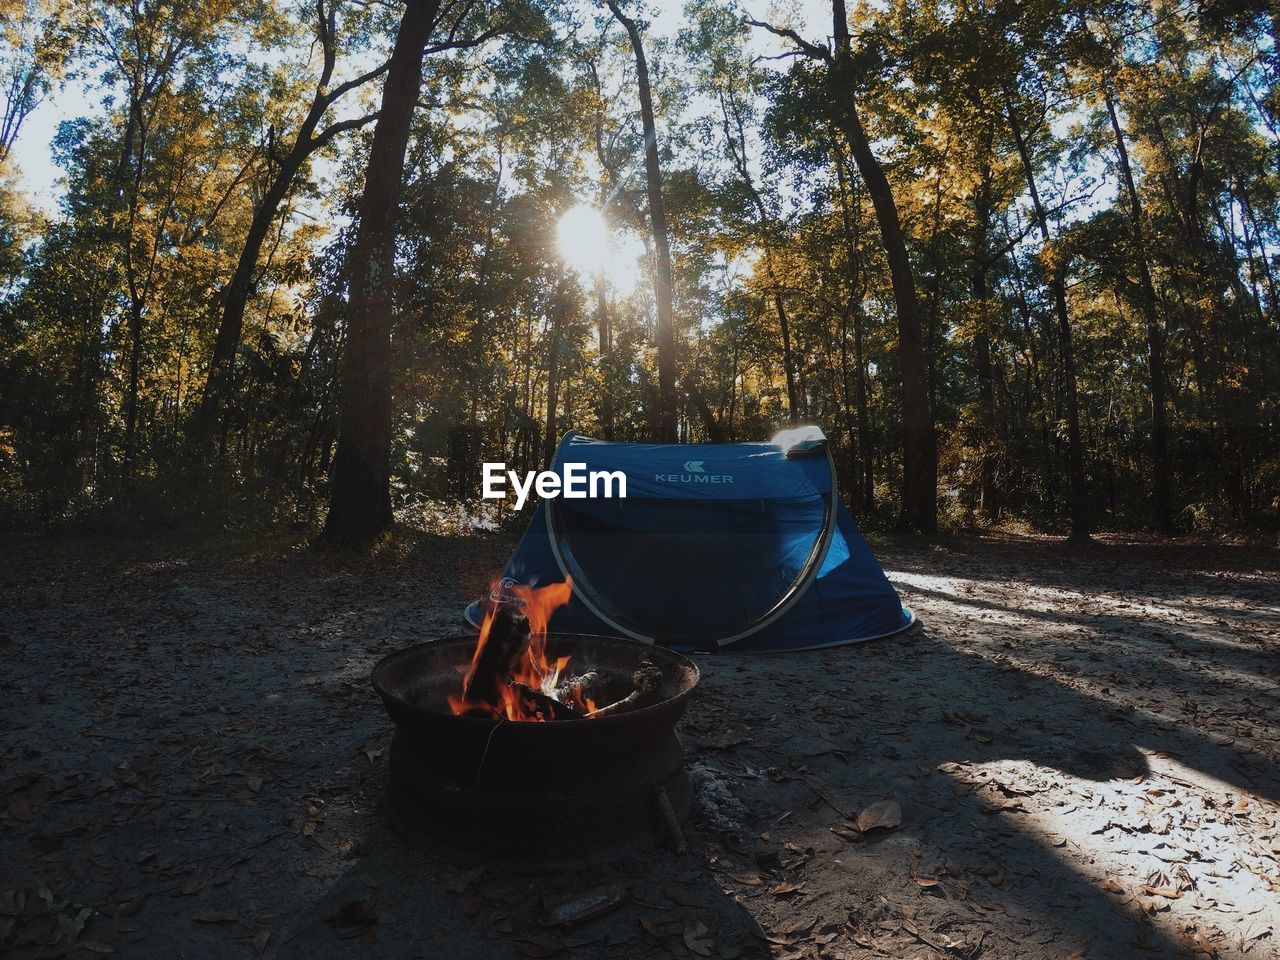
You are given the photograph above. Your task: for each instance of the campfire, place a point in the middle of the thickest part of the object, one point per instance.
(511, 677)
(574, 732)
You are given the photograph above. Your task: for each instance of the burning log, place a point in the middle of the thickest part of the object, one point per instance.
(645, 681)
(500, 654)
(549, 707)
(577, 688)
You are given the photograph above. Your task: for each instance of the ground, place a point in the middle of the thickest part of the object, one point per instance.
(1081, 747)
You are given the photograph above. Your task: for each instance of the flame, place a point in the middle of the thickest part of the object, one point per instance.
(533, 669)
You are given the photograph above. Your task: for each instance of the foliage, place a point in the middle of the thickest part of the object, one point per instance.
(784, 305)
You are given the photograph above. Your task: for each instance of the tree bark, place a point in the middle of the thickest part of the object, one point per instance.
(668, 404)
(360, 488)
(851, 219)
(1161, 493)
(919, 443)
(988, 492)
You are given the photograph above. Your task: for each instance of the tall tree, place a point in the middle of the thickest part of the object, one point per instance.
(360, 501)
(283, 171)
(668, 403)
(1056, 275)
(919, 443)
(35, 40)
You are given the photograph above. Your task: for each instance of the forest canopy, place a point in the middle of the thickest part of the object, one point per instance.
(312, 257)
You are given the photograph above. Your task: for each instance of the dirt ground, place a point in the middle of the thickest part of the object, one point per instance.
(1081, 747)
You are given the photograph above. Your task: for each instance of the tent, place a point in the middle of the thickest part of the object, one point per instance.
(715, 546)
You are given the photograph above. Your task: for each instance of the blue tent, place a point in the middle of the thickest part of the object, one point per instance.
(743, 545)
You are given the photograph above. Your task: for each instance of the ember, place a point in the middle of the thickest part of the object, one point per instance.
(511, 676)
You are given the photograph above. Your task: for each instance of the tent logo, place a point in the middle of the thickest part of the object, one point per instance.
(695, 471)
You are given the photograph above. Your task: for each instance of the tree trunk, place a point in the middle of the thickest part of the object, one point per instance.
(851, 219)
(794, 403)
(360, 496)
(1161, 492)
(235, 300)
(715, 432)
(988, 492)
(240, 288)
(666, 337)
(550, 438)
(919, 444)
(1058, 289)
(604, 326)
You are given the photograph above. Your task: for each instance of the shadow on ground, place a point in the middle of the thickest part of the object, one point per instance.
(1081, 747)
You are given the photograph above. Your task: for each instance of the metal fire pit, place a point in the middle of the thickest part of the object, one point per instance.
(525, 786)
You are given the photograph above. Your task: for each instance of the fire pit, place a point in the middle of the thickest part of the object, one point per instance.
(525, 741)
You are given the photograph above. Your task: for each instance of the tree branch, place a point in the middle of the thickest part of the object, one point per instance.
(354, 82)
(475, 41)
(333, 130)
(811, 50)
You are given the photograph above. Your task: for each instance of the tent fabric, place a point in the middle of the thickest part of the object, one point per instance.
(740, 546)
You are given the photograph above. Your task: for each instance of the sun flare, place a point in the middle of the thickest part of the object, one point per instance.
(589, 246)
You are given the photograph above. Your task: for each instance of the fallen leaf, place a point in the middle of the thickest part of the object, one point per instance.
(129, 908)
(685, 898)
(20, 808)
(584, 906)
(786, 889)
(215, 916)
(881, 815)
(95, 946)
(926, 881)
(368, 880)
(260, 941)
(698, 938)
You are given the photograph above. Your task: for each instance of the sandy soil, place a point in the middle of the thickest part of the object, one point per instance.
(1081, 749)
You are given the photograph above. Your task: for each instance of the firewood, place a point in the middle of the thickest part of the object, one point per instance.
(577, 686)
(549, 707)
(646, 681)
(505, 645)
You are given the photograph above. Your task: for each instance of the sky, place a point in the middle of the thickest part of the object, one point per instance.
(78, 98)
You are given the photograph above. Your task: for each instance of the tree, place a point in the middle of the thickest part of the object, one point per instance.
(360, 502)
(282, 172)
(35, 41)
(919, 443)
(668, 404)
